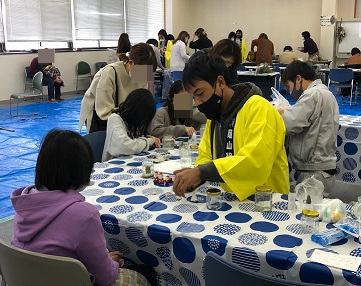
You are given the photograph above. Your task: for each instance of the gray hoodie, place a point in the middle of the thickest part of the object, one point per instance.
(312, 125)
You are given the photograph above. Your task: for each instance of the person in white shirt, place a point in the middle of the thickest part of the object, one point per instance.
(179, 55)
(128, 124)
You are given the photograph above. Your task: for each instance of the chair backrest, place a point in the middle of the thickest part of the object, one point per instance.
(82, 68)
(241, 68)
(177, 75)
(27, 268)
(27, 72)
(99, 65)
(341, 75)
(37, 81)
(219, 271)
(96, 141)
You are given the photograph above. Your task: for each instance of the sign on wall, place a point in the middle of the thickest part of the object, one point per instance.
(328, 20)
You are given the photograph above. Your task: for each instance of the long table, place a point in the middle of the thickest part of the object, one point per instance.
(148, 224)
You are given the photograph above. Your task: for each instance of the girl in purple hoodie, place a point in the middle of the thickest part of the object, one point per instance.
(52, 217)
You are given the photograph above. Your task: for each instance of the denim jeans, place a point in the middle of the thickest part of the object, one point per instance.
(52, 86)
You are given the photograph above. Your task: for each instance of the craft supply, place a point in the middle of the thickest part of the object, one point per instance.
(214, 199)
(310, 221)
(328, 236)
(168, 142)
(263, 198)
(147, 169)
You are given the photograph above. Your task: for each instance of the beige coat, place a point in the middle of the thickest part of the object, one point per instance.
(287, 57)
(101, 92)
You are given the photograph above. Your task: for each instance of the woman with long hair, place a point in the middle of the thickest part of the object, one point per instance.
(164, 121)
(179, 55)
(111, 86)
(128, 124)
(123, 44)
(202, 41)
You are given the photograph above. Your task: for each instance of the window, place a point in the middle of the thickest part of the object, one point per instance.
(144, 18)
(38, 20)
(98, 19)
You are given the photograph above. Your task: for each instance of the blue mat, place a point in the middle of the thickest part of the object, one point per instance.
(19, 149)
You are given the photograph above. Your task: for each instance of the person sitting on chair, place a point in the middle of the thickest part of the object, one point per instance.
(54, 83)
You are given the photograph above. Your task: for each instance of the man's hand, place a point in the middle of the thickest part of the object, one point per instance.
(186, 179)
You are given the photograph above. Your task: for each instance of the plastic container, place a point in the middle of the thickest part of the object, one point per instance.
(168, 142)
(349, 225)
(328, 236)
(147, 169)
(263, 198)
(310, 221)
(214, 199)
(194, 153)
(292, 199)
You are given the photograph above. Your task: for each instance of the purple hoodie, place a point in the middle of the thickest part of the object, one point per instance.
(62, 223)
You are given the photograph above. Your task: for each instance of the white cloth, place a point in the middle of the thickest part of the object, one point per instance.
(118, 142)
(178, 57)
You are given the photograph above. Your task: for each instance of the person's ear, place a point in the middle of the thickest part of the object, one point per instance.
(221, 82)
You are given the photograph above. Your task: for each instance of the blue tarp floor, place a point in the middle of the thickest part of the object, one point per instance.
(19, 149)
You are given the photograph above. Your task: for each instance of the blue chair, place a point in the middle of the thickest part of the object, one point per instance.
(99, 65)
(341, 78)
(96, 141)
(219, 271)
(177, 75)
(241, 68)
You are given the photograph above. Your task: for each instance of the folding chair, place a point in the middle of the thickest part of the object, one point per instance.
(36, 93)
(341, 78)
(83, 72)
(28, 79)
(27, 268)
(96, 141)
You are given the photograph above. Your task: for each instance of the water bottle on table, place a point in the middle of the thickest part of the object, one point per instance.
(184, 154)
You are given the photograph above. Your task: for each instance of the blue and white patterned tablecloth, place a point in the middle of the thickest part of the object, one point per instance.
(348, 152)
(173, 236)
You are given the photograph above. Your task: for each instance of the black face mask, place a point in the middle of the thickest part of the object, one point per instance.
(212, 107)
(296, 93)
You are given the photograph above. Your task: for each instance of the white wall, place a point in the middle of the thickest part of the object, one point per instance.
(12, 71)
(282, 20)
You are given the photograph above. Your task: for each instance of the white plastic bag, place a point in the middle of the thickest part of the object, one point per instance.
(278, 100)
(309, 193)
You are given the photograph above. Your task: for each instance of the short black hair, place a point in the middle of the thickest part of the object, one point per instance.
(65, 161)
(162, 32)
(137, 111)
(355, 51)
(287, 48)
(207, 68)
(304, 69)
(153, 42)
(306, 34)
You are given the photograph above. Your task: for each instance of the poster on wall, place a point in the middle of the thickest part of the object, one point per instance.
(328, 20)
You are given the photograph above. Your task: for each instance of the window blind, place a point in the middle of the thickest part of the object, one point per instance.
(38, 20)
(144, 19)
(98, 19)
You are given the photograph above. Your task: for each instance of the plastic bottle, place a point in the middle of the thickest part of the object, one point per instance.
(292, 199)
(194, 139)
(328, 236)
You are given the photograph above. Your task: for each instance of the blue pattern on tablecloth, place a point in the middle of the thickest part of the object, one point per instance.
(264, 226)
(138, 183)
(287, 241)
(226, 229)
(155, 207)
(238, 217)
(134, 164)
(92, 192)
(100, 165)
(248, 207)
(108, 199)
(185, 208)
(276, 216)
(134, 171)
(117, 162)
(214, 243)
(200, 199)
(187, 227)
(99, 176)
(122, 177)
(169, 218)
(139, 216)
(246, 257)
(136, 236)
(159, 233)
(125, 191)
(356, 252)
(281, 259)
(324, 274)
(296, 228)
(118, 245)
(205, 216)
(168, 198)
(252, 239)
(109, 184)
(283, 206)
(121, 209)
(189, 277)
(184, 249)
(170, 280)
(147, 258)
(110, 224)
(137, 200)
(164, 254)
(113, 170)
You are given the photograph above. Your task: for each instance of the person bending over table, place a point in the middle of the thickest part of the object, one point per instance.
(128, 125)
(312, 125)
(52, 217)
(243, 144)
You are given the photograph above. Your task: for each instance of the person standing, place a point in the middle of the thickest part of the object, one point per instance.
(123, 44)
(202, 41)
(265, 49)
(309, 46)
(242, 44)
(311, 124)
(179, 55)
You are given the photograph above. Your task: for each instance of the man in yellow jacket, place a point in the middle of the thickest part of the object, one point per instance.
(243, 144)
